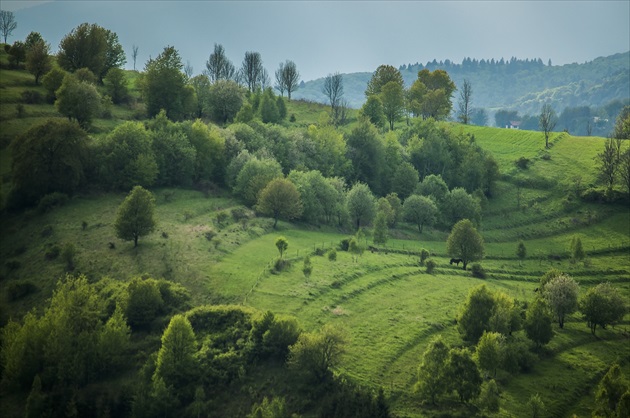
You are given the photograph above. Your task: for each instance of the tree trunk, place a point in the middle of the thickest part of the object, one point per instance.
(135, 241)
(275, 222)
(420, 227)
(465, 264)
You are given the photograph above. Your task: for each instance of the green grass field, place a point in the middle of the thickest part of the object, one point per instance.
(389, 307)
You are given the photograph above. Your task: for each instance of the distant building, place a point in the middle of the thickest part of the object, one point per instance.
(514, 124)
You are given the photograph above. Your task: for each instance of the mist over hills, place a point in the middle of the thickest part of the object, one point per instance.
(522, 85)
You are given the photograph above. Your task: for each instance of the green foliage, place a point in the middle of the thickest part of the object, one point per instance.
(128, 158)
(272, 336)
(432, 372)
(307, 267)
(314, 355)
(475, 314)
(459, 205)
(35, 403)
(282, 244)
(384, 74)
(380, 234)
(224, 101)
(78, 100)
(430, 95)
(490, 397)
(521, 251)
(50, 201)
(424, 254)
(365, 150)
(143, 302)
(405, 180)
(576, 248)
(254, 177)
(602, 305)
(431, 265)
(116, 85)
(280, 199)
(536, 406)
(19, 290)
(361, 204)
(38, 60)
(433, 186)
(332, 255)
(53, 80)
(462, 374)
(68, 253)
(488, 351)
(135, 216)
(610, 391)
(164, 85)
(276, 408)
(176, 359)
(92, 47)
(174, 154)
(478, 271)
(464, 242)
(419, 210)
(537, 323)
(49, 157)
(561, 293)
(373, 110)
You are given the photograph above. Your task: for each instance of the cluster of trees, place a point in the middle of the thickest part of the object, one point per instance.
(83, 337)
(388, 101)
(613, 165)
(488, 321)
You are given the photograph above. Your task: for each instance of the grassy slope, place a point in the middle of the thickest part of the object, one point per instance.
(389, 306)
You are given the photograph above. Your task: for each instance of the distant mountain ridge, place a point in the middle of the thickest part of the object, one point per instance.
(522, 85)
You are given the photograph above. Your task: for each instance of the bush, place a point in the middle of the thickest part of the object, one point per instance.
(292, 118)
(424, 254)
(522, 163)
(332, 255)
(84, 225)
(320, 251)
(32, 97)
(431, 265)
(478, 271)
(20, 111)
(239, 214)
(344, 244)
(18, 290)
(67, 255)
(280, 264)
(222, 217)
(51, 201)
(52, 253)
(210, 234)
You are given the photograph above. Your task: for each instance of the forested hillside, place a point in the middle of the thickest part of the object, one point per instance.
(200, 246)
(514, 84)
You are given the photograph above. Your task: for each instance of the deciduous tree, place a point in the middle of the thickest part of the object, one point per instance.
(219, 66)
(419, 210)
(464, 104)
(280, 199)
(431, 372)
(164, 85)
(607, 162)
(315, 354)
(333, 90)
(392, 98)
(602, 305)
(176, 359)
(547, 121)
(474, 317)
(7, 24)
(462, 374)
(252, 71)
(38, 60)
(116, 85)
(224, 100)
(282, 244)
(254, 176)
(488, 351)
(49, 157)
(465, 243)
(538, 322)
(562, 295)
(361, 203)
(135, 217)
(287, 78)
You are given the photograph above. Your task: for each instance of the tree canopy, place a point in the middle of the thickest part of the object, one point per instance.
(135, 217)
(465, 243)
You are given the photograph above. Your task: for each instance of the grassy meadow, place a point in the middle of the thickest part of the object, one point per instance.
(388, 305)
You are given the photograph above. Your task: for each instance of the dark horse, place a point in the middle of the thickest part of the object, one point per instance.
(456, 261)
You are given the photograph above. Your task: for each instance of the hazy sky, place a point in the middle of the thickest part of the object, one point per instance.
(327, 36)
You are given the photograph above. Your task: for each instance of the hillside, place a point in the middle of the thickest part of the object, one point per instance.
(213, 259)
(515, 84)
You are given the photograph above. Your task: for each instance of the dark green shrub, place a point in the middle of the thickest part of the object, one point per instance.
(280, 264)
(84, 225)
(431, 265)
(20, 111)
(239, 214)
(424, 254)
(344, 244)
(478, 271)
(52, 253)
(210, 234)
(222, 217)
(143, 302)
(522, 163)
(292, 118)
(18, 290)
(320, 251)
(332, 255)
(67, 255)
(51, 201)
(174, 295)
(32, 97)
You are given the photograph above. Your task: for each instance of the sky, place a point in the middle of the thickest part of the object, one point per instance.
(324, 37)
